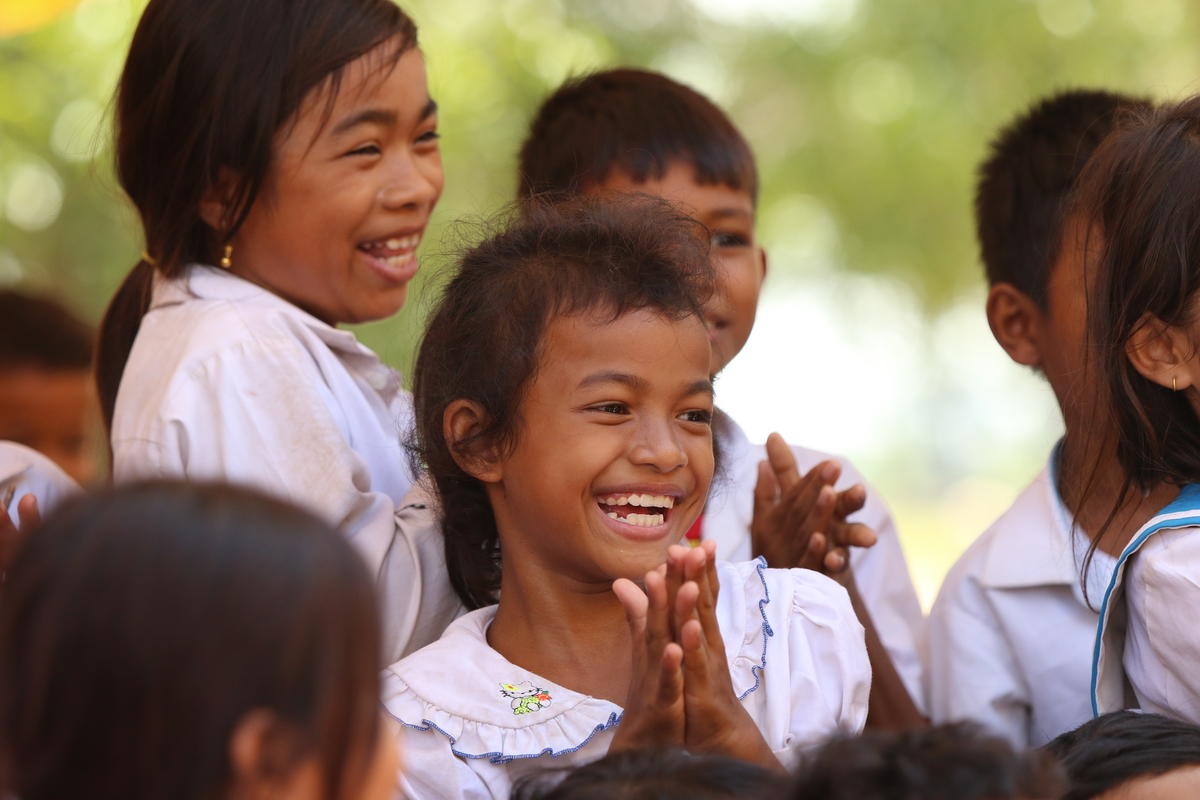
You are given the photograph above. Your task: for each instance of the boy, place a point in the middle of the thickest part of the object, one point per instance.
(45, 381)
(1013, 628)
(631, 130)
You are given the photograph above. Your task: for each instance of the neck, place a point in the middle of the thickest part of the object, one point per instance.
(1094, 488)
(555, 626)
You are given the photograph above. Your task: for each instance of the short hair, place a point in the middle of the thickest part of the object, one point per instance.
(634, 121)
(1026, 180)
(139, 625)
(947, 762)
(1105, 752)
(650, 774)
(606, 255)
(41, 332)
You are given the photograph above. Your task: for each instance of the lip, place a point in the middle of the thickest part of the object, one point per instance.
(394, 273)
(639, 533)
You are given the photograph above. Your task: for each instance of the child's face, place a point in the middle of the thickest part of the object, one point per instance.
(347, 198)
(741, 264)
(1062, 336)
(51, 412)
(614, 454)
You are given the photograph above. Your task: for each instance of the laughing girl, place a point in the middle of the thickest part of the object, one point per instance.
(283, 159)
(564, 409)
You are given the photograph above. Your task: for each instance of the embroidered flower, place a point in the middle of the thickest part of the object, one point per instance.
(526, 698)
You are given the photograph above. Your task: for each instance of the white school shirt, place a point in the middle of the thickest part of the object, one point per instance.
(29, 472)
(472, 721)
(1147, 649)
(880, 571)
(227, 381)
(1011, 633)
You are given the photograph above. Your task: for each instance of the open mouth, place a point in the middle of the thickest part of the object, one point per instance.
(641, 510)
(394, 251)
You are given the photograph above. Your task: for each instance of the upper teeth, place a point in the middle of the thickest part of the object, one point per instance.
(643, 500)
(404, 242)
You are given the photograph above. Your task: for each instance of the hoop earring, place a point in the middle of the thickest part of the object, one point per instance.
(227, 259)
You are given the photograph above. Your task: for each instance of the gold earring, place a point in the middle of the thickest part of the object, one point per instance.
(1174, 387)
(227, 259)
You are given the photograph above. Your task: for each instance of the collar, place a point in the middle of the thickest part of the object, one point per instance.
(206, 282)
(1033, 545)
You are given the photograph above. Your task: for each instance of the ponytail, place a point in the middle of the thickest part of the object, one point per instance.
(118, 329)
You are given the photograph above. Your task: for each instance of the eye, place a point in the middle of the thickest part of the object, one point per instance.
(700, 415)
(728, 239)
(610, 408)
(429, 136)
(366, 150)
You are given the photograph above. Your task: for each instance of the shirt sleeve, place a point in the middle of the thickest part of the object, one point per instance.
(971, 673)
(1162, 645)
(29, 472)
(259, 413)
(887, 589)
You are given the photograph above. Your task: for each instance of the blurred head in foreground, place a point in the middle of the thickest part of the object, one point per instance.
(189, 641)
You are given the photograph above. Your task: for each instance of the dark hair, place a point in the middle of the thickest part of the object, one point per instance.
(1026, 181)
(634, 121)
(140, 624)
(650, 774)
(38, 331)
(206, 87)
(483, 340)
(946, 762)
(1107, 751)
(1140, 196)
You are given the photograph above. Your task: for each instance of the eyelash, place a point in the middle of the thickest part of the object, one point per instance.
(729, 240)
(374, 149)
(608, 408)
(699, 415)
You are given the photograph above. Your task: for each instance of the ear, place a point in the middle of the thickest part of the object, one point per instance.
(461, 420)
(1015, 319)
(258, 754)
(762, 264)
(217, 201)
(1163, 353)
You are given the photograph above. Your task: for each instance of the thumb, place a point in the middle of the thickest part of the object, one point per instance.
(766, 488)
(635, 603)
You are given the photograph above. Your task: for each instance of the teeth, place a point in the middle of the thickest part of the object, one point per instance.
(641, 500)
(614, 515)
(397, 260)
(644, 520)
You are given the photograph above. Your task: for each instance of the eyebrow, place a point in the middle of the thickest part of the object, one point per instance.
(380, 116)
(703, 386)
(721, 213)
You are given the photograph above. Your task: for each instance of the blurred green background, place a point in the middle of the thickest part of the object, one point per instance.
(867, 117)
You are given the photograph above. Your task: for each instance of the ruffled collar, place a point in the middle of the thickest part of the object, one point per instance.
(489, 708)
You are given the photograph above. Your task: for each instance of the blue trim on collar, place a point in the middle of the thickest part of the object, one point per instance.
(614, 719)
(757, 669)
(1188, 500)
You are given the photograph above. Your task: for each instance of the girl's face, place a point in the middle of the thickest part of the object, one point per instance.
(615, 452)
(348, 196)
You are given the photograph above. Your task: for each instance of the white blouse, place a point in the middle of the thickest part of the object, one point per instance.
(26, 471)
(1148, 644)
(1011, 633)
(472, 722)
(880, 571)
(227, 381)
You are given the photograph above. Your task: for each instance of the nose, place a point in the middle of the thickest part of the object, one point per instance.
(413, 182)
(657, 445)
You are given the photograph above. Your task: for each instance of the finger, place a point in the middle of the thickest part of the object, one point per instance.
(800, 502)
(854, 534)
(27, 510)
(766, 488)
(676, 565)
(836, 560)
(658, 624)
(706, 604)
(685, 603)
(670, 678)
(850, 500)
(814, 554)
(783, 462)
(636, 606)
(697, 674)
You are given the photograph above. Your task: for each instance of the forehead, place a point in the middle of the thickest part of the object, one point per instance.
(679, 185)
(644, 341)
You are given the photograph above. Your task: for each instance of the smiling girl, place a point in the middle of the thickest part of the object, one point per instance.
(564, 411)
(283, 159)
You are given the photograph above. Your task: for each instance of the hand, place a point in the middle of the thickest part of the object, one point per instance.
(12, 534)
(654, 714)
(800, 520)
(716, 721)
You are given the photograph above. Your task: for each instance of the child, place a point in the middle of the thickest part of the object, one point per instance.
(1141, 200)
(45, 389)
(192, 642)
(655, 775)
(1011, 632)
(1130, 755)
(632, 130)
(563, 407)
(946, 762)
(283, 157)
